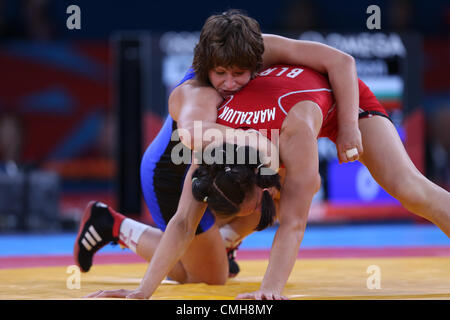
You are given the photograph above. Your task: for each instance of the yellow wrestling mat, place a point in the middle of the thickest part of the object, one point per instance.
(398, 278)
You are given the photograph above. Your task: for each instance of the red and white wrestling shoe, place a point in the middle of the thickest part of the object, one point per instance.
(99, 226)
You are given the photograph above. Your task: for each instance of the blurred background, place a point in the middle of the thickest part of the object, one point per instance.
(78, 107)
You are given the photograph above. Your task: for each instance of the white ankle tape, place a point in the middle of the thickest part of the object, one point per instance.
(130, 232)
(229, 236)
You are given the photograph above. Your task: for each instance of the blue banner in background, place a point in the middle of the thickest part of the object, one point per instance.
(352, 182)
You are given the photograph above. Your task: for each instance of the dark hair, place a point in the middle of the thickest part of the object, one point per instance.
(224, 184)
(228, 39)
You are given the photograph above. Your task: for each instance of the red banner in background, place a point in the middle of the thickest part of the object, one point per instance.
(60, 93)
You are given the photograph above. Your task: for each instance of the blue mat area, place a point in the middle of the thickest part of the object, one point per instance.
(368, 236)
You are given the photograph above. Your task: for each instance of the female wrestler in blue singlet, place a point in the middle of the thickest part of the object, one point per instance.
(162, 179)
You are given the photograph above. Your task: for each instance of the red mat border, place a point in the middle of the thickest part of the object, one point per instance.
(10, 262)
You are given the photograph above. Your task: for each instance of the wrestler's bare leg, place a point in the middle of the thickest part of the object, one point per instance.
(388, 162)
(204, 261)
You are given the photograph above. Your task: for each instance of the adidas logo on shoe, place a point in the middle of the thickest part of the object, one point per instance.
(91, 238)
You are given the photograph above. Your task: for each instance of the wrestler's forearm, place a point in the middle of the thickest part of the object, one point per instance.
(282, 258)
(173, 244)
(344, 83)
(298, 148)
(294, 207)
(202, 134)
(176, 238)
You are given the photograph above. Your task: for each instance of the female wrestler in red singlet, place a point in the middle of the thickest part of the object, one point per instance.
(298, 102)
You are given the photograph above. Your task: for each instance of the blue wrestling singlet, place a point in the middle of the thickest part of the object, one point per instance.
(162, 180)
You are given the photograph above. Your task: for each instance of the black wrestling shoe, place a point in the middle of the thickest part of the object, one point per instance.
(99, 226)
(233, 267)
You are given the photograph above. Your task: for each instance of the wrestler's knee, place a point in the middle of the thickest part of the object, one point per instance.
(410, 191)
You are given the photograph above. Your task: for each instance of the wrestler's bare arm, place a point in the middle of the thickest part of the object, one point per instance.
(175, 240)
(299, 154)
(341, 70)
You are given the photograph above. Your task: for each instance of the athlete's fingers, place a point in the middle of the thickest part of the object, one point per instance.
(347, 139)
(348, 153)
(352, 154)
(136, 295)
(259, 295)
(271, 296)
(245, 296)
(341, 149)
(360, 148)
(280, 297)
(342, 157)
(93, 294)
(264, 296)
(120, 293)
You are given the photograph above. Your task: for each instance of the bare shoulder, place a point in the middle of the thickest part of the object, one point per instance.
(192, 94)
(193, 88)
(271, 47)
(271, 38)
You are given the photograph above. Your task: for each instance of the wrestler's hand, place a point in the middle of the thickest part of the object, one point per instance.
(269, 150)
(120, 293)
(348, 137)
(261, 295)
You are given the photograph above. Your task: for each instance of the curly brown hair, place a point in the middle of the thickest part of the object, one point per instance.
(228, 39)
